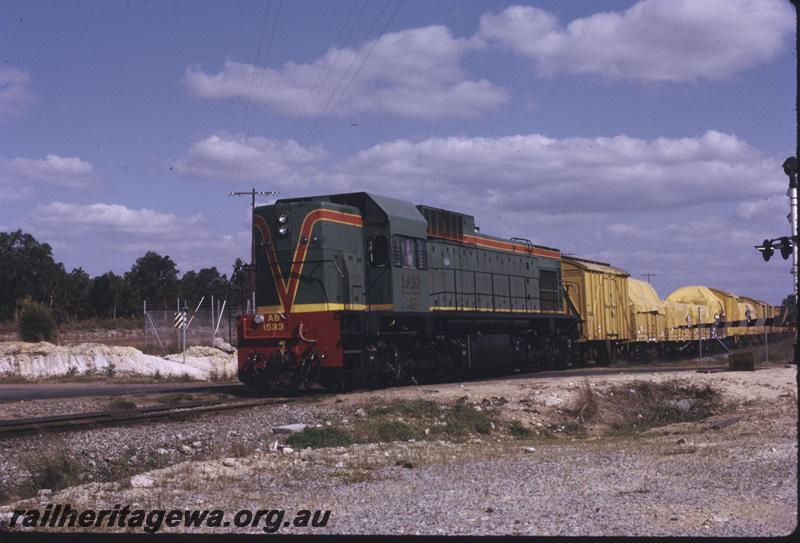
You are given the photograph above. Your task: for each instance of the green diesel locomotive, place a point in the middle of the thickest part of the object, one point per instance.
(359, 289)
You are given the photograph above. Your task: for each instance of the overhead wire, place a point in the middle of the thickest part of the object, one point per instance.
(366, 58)
(248, 104)
(301, 144)
(266, 59)
(260, 81)
(330, 65)
(346, 73)
(328, 109)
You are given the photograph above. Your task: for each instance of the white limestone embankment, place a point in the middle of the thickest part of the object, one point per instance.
(42, 360)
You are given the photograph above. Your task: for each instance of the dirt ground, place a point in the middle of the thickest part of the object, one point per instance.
(676, 453)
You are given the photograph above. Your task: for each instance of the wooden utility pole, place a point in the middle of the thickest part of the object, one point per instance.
(649, 275)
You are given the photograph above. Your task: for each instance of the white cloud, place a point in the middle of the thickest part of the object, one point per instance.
(223, 157)
(103, 236)
(414, 73)
(15, 93)
(572, 175)
(19, 176)
(116, 218)
(764, 207)
(67, 171)
(654, 40)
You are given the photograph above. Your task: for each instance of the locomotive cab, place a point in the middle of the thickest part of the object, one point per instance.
(309, 260)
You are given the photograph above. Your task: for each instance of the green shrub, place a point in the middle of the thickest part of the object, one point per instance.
(320, 437)
(463, 418)
(519, 430)
(393, 430)
(36, 323)
(54, 468)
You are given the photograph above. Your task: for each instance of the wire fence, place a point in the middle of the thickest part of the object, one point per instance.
(165, 328)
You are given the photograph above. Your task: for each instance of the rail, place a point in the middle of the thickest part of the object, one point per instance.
(80, 421)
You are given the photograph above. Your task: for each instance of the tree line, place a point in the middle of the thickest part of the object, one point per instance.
(29, 272)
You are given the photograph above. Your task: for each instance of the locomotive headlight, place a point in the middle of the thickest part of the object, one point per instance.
(259, 318)
(283, 229)
(283, 217)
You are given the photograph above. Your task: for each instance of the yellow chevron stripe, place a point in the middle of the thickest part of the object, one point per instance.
(314, 308)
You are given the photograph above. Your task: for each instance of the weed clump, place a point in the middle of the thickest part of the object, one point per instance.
(320, 437)
(393, 430)
(54, 469)
(175, 398)
(36, 323)
(642, 406)
(463, 419)
(241, 447)
(585, 405)
(118, 404)
(519, 430)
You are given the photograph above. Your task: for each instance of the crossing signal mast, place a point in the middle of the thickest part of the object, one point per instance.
(787, 245)
(784, 244)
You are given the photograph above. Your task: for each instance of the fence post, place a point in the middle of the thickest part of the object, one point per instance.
(212, 319)
(144, 322)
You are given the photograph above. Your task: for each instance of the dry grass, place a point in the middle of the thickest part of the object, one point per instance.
(120, 404)
(241, 447)
(405, 420)
(640, 406)
(585, 406)
(175, 398)
(55, 468)
(519, 430)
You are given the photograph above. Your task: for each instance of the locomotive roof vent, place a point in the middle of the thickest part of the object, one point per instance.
(447, 224)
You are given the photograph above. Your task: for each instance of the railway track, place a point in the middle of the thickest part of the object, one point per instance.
(81, 421)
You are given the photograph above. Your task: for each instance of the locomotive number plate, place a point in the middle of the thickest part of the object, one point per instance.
(273, 324)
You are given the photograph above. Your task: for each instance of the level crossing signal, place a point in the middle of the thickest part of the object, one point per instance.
(180, 319)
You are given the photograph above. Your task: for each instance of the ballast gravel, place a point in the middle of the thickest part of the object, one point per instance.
(687, 480)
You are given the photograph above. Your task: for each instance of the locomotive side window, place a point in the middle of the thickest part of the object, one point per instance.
(409, 253)
(397, 252)
(422, 254)
(378, 251)
(548, 290)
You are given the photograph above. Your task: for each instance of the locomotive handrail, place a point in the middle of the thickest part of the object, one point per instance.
(528, 242)
(312, 262)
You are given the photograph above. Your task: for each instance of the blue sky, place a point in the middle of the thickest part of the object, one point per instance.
(648, 134)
